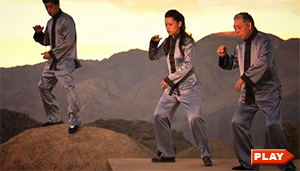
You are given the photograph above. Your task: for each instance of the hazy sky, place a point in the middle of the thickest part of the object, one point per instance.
(105, 27)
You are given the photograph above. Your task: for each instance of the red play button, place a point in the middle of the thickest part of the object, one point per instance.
(270, 156)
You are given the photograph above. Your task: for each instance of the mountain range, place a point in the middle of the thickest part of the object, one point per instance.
(127, 86)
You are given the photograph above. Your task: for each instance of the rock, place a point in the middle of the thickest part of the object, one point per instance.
(53, 148)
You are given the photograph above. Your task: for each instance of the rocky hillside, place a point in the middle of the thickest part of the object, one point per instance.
(12, 123)
(140, 131)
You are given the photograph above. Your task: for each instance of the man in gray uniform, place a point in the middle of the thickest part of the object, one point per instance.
(260, 89)
(62, 60)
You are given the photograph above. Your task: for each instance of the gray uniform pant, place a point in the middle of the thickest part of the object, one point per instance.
(269, 102)
(191, 101)
(46, 84)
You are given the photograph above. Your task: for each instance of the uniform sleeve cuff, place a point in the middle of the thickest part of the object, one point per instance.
(223, 60)
(52, 55)
(38, 36)
(153, 44)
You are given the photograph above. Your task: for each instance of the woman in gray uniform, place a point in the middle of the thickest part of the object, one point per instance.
(181, 87)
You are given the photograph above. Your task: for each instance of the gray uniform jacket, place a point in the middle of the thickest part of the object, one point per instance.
(262, 73)
(60, 33)
(184, 78)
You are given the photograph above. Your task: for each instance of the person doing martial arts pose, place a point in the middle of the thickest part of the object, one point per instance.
(62, 60)
(259, 86)
(181, 87)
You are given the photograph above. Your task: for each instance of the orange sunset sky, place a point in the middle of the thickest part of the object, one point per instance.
(105, 27)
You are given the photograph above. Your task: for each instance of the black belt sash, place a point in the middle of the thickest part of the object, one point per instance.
(176, 86)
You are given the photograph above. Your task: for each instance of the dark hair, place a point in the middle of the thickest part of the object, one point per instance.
(53, 1)
(177, 16)
(245, 16)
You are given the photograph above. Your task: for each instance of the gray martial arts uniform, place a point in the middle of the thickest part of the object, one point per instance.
(262, 77)
(184, 89)
(60, 33)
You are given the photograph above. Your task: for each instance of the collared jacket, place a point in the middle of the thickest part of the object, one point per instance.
(262, 73)
(184, 77)
(60, 34)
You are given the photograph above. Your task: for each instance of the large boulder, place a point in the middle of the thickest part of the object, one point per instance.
(53, 148)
